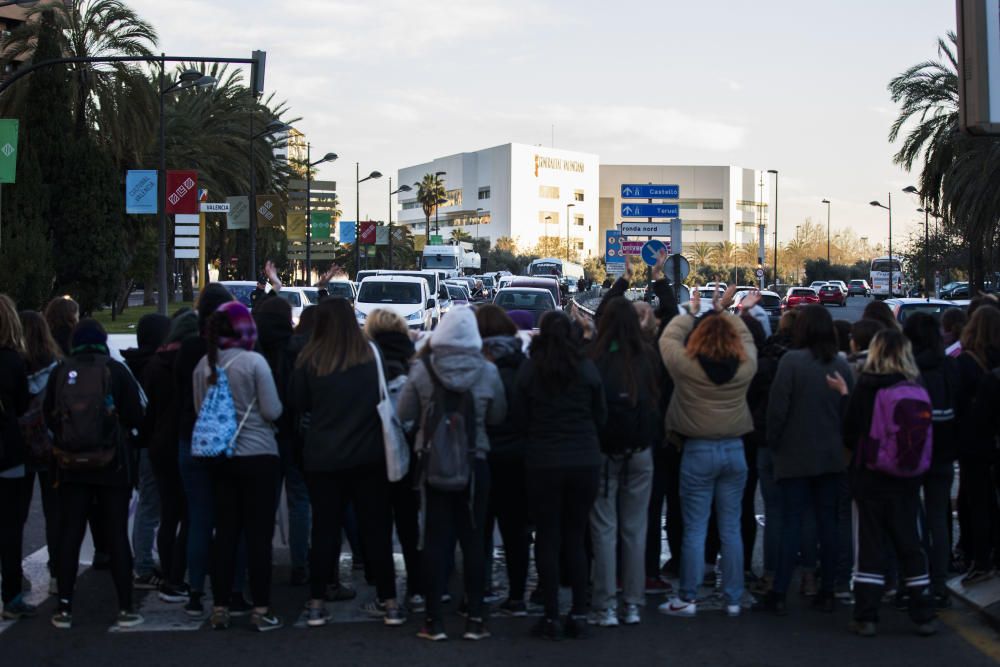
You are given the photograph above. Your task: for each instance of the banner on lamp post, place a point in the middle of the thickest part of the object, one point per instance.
(8, 150)
(140, 192)
(182, 192)
(381, 236)
(239, 213)
(296, 228)
(347, 231)
(367, 232)
(320, 224)
(267, 210)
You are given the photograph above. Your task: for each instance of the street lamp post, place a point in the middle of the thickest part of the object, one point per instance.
(329, 157)
(189, 78)
(437, 205)
(357, 211)
(568, 207)
(889, 209)
(775, 172)
(401, 188)
(827, 202)
(927, 262)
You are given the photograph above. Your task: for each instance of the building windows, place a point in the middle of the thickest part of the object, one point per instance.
(454, 198)
(703, 227)
(578, 220)
(484, 193)
(578, 195)
(579, 245)
(410, 205)
(704, 204)
(712, 204)
(548, 192)
(548, 217)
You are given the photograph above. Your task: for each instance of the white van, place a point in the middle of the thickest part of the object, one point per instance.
(432, 278)
(407, 296)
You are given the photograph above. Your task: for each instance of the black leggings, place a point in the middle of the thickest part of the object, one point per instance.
(109, 504)
(329, 493)
(172, 536)
(509, 505)
(13, 494)
(562, 498)
(405, 515)
(245, 502)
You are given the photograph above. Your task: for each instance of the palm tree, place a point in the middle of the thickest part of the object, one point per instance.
(461, 235)
(505, 244)
(429, 191)
(700, 254)
(727, 254)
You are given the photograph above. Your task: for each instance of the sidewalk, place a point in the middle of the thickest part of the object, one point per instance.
(984, 597)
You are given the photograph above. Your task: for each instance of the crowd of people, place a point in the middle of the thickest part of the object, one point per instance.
(581, 443)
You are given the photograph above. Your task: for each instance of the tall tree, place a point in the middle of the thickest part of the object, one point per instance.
(429, 191)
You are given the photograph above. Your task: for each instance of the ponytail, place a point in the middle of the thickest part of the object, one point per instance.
(215, 324)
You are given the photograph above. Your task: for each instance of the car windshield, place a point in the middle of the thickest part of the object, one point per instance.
(931, 309)
(487, 280)
(440, 262)
(829, 288)
(859, 283)
(456, 293)
(241, 293)
(341, 289)
(770, 301)
(882, 266)
(515, 300)
(389, 292)
(294, 299)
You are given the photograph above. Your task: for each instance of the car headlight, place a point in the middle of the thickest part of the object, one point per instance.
(361, 316)
(415, 316)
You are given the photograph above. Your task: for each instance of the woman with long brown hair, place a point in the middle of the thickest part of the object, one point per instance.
(343, 455)
(62, 313)
(709, 415)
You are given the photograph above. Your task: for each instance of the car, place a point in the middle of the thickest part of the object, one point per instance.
(535, 300)
(799, 296)
(769, 301)
(816, 284)
(542, 282)
(955, 290)
(489, 282)
(457, 295)
(241, 289)
(299, 298)
(444, 301)
(831, 293)
(343, 289)
(840, 283)
(903, 308)
(722, 286)
(407, 296)
(859, 287)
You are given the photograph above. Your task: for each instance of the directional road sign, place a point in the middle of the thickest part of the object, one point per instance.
(650, 210)
(645, 229)
(648, 191)
(214, 207)
(651, 248)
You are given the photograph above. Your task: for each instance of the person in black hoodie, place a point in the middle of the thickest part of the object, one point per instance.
(939, 375)
(150, 332)
(508, 498)
(160, 435)
(886, 507)
(14, 399)
(388, 330)
(559, 401)
(976, 455)
(108, 488)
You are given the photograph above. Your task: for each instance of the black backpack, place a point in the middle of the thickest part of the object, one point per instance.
(627, 429)
(449, 441)
(85, 422)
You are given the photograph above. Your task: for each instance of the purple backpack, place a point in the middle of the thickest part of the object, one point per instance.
(900, 441)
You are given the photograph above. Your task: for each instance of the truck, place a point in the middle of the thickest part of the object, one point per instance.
(454, 259)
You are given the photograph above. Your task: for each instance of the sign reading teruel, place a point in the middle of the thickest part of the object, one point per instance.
(182, 192)
(650, 210)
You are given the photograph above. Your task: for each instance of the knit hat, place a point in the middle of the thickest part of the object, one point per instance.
(89, 332)
(182, 326)
(458, 330)
(242, 324)
(151, 330)
(522, 318)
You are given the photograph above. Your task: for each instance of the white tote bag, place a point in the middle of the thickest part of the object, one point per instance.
(397, 451)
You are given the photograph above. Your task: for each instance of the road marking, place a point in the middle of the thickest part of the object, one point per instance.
(970, 627)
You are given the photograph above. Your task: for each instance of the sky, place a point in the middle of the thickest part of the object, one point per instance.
(793, 85)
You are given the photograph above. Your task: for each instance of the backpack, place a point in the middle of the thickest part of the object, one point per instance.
(449, 437)
(86, 419)
(216, 429)
(37, 440)
(625, 432)
(900, 440)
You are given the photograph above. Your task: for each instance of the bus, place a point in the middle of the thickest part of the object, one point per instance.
(884, 286)
(567, 272)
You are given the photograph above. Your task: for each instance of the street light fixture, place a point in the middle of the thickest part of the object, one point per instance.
(401, 188)
(329, 157)
(189, 78)
(827, 202)
(568, 207)
(888, 208)
(357, 222)
(775, 172)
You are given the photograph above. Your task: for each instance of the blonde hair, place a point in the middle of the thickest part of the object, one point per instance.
(11, 332)
(381, 321)
(891, 352)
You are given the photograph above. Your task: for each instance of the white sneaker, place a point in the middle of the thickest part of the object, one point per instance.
(606, 618)
(733, 610)
(678, 607)
(631, 616)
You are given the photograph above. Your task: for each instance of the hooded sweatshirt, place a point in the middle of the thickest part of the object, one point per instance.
(457, 359)
(506, 438)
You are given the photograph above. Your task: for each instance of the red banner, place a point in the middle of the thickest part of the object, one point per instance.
(368, 232)
(182, 192)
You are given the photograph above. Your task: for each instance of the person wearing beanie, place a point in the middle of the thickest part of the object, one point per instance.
(453, 363)
(245, 484)
(107, 488)
(150, 332)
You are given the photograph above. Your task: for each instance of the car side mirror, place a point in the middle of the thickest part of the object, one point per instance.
(430, 303)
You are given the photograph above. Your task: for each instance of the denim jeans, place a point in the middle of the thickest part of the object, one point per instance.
(712, 470)
(299, 517)
(147, 517)
(798, 493)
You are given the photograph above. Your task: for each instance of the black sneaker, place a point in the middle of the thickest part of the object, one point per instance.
(416, 604)
(194, 608)
(445, 598)
(62, 619)
(300, 577)
(173, 594)
(317, 616)
(576, 627)
(265, 622)
(433, 631)
(17, 609)
(515, 608)
(475, 629)
(394, 616)
(144, 582)
(238, 606)
(547, 628)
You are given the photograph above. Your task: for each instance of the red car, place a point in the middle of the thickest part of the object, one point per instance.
(799, 296)
(831, 293)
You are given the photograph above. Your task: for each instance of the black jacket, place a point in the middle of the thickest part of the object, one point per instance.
(191, 351)
(974, 443)
(125, 393)
(506, 438)
(397, 351)
(760, 387)
(14, 399)
(160, 429)
(648, 377)
(344, 429)
(939, 375)
(560, 427)
(277, 344)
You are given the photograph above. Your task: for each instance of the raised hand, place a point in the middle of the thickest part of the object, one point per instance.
(661, 259)
(727, 298)
(695, 304)
(750, 300)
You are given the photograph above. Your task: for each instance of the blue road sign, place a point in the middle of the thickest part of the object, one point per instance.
(648, 191)
(651, 249)
(650, 210)
(614, 255)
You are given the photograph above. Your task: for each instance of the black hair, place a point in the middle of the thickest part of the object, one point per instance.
(619, 326)
(843, 328)
(924, 333)
(815, 332)
(556, 350)
(863, 331)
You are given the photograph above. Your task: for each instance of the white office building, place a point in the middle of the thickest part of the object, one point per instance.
(515, 190)
(717, 203)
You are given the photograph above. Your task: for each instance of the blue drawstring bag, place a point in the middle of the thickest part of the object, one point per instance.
(216, 428)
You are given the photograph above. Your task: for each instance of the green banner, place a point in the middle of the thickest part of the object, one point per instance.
(320, 224)
(8, 150)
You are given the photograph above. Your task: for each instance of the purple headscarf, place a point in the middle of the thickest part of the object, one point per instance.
(242, 323)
